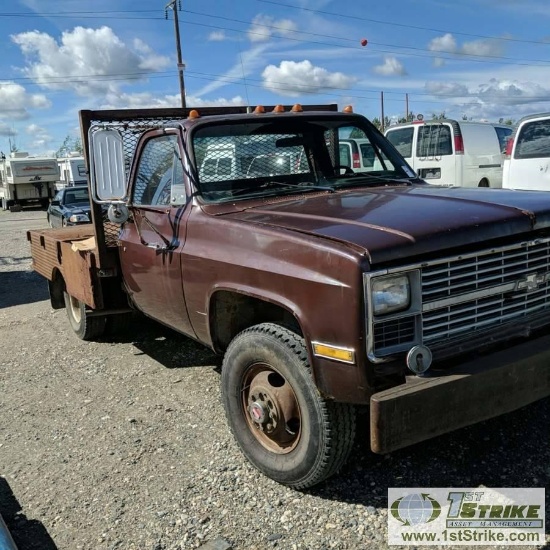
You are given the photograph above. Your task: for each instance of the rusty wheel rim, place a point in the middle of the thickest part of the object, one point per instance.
(271, 409)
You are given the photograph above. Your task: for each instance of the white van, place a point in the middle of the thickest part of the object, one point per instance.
(453, 152)
(357, 154)
(527, 159)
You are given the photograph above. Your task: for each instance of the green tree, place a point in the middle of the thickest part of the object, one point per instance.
(69, 145)
(439, 116)
(409, 118)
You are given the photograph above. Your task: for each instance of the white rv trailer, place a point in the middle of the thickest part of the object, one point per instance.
(26, 180)
(72, 171)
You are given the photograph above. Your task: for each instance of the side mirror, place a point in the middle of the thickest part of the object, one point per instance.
(108, 170)
(55, 203)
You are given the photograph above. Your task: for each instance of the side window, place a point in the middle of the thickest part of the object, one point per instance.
(533, 140)
(367, 153)
(154, 173)
(402, 140)
(434, 140)
(345, 154)
(503, 134)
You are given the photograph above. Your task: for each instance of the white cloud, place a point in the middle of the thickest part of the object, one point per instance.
(449, 89)
(14, 101)
(391, 67)
(147, 100)
(263, 27)
(438, 62)
(481, 48)
(293, 78)
(445, 43)
(217, 36)
(40, 136)
(448, 44)
(83, 57)
(6, 130)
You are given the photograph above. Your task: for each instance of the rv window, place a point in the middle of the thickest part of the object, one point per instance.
(345, 154)
(534, 140)
(434, 140)
(402, 140)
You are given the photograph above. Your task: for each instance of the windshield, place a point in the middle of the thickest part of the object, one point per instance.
(290, 155)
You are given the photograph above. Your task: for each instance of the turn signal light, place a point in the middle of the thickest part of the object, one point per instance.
(296, 108)
(278, 109)
(259, 109)
(348, 109)
(193, 113)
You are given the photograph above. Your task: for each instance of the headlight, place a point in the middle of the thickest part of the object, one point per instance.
(75, 218)
(390, 294)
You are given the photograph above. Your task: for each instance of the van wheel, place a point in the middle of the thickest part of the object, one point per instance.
(484, 183)
(281, 423)
(85, 325)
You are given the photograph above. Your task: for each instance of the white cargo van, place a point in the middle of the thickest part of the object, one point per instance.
(453, 152)
(527, 159)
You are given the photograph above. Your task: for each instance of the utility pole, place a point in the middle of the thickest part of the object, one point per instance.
(406, 107)
(173, 5)
(382, 112)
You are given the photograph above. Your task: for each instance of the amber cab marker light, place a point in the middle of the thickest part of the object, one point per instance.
(348, 109)
(259, 109)
(297, 108)
(278, 109)
(193, 113)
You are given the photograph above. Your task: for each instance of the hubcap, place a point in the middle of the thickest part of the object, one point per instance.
(75, 309)
(271, 409)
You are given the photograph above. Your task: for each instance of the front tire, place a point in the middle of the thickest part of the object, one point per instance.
(280, 421)
(85, 325)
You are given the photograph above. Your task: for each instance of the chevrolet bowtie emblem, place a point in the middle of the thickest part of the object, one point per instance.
(532, 281)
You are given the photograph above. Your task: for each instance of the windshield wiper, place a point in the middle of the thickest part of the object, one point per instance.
(303, 186)
(358, 176)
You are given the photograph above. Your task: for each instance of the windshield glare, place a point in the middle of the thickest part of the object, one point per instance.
(254, 158)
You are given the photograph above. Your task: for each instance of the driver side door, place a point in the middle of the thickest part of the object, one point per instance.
(152, 240)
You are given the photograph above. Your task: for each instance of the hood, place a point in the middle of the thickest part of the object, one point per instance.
(78, 208)
(396, 223)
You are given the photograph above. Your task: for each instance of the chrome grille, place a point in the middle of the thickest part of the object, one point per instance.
(479, 291)
(480, 297)
(395, 332)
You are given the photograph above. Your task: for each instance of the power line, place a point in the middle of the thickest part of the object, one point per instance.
(403, 25)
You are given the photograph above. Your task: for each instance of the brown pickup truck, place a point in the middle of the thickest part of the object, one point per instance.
(325, 282)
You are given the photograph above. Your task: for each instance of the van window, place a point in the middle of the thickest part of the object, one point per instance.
(367, 152)
(503, 134)
(434, 140)
(402, 140)
(345, 154)
(533, 140)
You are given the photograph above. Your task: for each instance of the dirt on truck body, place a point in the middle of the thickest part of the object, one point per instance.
(324, 287)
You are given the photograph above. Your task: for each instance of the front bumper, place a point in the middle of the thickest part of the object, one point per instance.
(487, 387)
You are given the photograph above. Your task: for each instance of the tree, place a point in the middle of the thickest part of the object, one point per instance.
(409, 118)
(68, 146)
(377, 123)
(439, 116)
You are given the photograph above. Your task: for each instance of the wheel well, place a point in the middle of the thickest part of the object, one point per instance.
(231, 313)
(56, 287)
(484, 183)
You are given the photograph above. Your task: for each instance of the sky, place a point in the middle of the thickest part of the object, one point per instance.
(480, 59)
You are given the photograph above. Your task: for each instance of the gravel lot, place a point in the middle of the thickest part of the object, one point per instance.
(123, 444)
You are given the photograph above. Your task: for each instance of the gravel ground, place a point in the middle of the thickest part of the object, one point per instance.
(123, 444)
